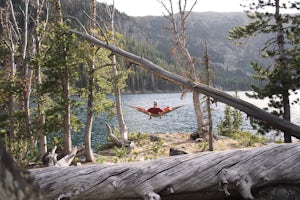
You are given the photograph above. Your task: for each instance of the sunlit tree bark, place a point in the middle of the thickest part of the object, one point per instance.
(122, 125)
(90, 107)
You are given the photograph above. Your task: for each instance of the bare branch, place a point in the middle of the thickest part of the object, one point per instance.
(112, 136)
(169, 11)
(14, 18)
(77, 20)
(98, 25)
(190, 11)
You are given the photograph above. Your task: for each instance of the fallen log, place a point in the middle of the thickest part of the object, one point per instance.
(216, 94)
(51, 157)
(209, 175)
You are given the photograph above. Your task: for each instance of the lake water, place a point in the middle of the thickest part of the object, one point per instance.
(180, 120)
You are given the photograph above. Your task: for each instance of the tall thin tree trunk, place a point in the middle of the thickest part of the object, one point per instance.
(12, 72)
(11, 106)
(89, 123)
(283, 65)
(178, 29)
(27, 77)
(208, 100)
(66, 90)
(40, 104)
(122, 125)
(286, 115)
(89, 157)
(65, 95)
(66, 113)
(25, 74)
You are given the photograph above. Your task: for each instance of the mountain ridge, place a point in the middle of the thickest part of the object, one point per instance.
(227, 59)
(230, 63)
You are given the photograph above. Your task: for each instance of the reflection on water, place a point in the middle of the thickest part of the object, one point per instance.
(180, 120)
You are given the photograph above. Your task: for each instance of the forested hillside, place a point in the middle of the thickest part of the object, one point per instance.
(230, 63)
(147, 37)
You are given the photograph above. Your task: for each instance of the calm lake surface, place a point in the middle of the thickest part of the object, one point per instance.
(180, 120)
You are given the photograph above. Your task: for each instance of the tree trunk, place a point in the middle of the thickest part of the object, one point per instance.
(208, 100)
(11, 104)
(38, 78)
(66, 113)
(217, 95)
(89, 157)
(65, 89)
(284, 66)
(178, 36)
(286, 115)
(209, 175)
(8, 36)
(26, 75)
(90, 114)
(122, 125)
(199, 113)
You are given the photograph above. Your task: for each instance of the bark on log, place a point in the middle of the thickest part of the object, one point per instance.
(209, 175)
(217, 95)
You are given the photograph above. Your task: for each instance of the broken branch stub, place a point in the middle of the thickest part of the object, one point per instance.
(64, 162)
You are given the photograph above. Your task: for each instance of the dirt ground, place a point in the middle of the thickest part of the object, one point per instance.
(153, 146)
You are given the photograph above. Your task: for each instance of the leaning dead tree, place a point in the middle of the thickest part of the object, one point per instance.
(217, 95)
(248, 173)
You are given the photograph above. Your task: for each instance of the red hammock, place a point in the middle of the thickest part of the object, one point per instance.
(155, 112)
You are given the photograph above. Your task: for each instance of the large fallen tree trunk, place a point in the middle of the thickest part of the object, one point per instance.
(209, 175)
(217, 95)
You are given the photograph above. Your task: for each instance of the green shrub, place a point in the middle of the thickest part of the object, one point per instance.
(22, 151)
(120, 152)
(230, 127)
(157, 148)
(138, 138)
(248, 139)
(203, 146)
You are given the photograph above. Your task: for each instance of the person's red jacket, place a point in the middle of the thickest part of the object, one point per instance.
(155, 110)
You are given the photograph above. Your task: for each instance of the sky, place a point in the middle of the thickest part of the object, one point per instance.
(154, 7)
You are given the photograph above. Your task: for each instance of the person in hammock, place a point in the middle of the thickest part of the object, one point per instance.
(155, 109)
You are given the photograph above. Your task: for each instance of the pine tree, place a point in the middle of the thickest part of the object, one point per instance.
(279, 79)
